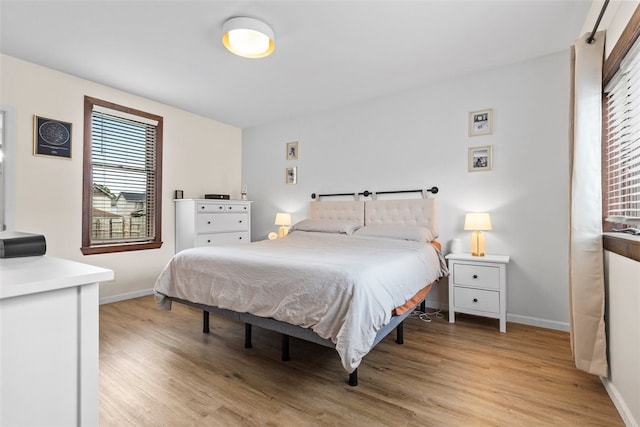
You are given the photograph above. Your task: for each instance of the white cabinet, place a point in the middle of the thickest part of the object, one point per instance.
(478, 285)
(49, 342)
(204, 222)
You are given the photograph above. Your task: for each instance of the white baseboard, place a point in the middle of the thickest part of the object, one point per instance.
(535, 321)
(620, 404)
(515, 318)
(122, 297)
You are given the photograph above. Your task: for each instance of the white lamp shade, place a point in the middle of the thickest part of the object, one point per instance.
(248, 37)
(477, 221)
(283, 219)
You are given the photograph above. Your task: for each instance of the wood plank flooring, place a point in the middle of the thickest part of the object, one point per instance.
(157, 368)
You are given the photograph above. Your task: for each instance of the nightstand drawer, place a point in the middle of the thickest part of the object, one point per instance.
(476, 299)
(219, 239)
(476, 276)
(222, 222)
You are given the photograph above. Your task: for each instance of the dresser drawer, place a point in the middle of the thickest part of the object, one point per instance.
(219, 239)
(222, 222)
(476, 299)
(476, 276)
(222, 207)
(210, 207)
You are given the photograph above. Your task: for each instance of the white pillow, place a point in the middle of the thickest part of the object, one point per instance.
(402, 232)
(327, 225)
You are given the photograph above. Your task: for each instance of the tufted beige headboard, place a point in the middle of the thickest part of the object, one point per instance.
(421, 212)
(347, 210)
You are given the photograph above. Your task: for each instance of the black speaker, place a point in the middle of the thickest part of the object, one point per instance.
(217, 196)
(15, 244)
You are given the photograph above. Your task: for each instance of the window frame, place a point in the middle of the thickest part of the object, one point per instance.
(87, 184)
(624, 245)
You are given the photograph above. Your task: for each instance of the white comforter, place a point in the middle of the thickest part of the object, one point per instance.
(342, 287)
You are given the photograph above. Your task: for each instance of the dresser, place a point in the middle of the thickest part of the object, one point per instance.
(49, 341)
(205, 222)
(478, 285)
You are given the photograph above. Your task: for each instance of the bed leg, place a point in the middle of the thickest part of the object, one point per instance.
(205, 322)
(247, 335)
(423, 306)
(285, 348)
(400, 333)
(353, 378)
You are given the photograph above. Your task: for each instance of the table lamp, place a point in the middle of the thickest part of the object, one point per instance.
(284, 221)
(477, 221)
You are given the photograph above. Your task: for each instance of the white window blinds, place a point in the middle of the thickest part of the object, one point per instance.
(123, 164)
(622, 144)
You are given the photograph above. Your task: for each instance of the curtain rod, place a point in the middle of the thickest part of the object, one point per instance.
(595, 27)
(367, 193)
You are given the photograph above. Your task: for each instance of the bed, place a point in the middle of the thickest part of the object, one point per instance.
(344, 278)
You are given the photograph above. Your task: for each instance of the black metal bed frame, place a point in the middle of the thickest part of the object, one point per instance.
(397, 323)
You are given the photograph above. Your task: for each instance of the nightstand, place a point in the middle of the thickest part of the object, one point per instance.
(478, 285)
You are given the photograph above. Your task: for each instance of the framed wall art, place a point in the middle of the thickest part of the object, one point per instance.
(51, 137)
(291, 175)
(292, 150)
(480, 158)
(480, 122)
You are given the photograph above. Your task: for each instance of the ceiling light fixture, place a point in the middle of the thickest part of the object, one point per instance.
(248, 37)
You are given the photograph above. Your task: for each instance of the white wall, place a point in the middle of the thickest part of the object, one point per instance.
(200, 155)
(419, 139)
(623, 334)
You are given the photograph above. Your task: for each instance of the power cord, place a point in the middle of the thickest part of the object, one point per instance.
(427, 316)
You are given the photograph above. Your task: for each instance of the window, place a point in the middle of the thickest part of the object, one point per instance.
(122, 178)
(622, 146)
(2, 185)
(621, 131)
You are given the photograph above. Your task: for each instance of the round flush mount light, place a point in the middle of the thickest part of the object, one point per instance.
(248, 37)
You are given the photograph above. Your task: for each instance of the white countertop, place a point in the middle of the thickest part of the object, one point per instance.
(29, 275)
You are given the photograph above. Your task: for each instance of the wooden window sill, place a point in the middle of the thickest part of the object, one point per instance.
(622, 244)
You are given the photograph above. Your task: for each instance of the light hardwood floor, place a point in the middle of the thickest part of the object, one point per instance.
(157, 368)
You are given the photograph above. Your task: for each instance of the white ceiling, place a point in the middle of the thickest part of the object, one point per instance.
(328, 53)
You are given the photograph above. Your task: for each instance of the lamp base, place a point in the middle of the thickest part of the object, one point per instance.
(477, 243)
(282, 231)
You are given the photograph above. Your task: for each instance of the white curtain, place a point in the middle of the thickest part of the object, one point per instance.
(586, 270)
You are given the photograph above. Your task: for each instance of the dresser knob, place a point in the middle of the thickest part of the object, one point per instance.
(208, 222)
(475, 300)
(220, 207)
(208, 241)
(240, 221)
(240, 238)
(475, 276)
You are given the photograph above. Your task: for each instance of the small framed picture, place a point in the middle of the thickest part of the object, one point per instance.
(480, 122)
(480, 158)
(51, 137)
(292, 150)
(291, 175)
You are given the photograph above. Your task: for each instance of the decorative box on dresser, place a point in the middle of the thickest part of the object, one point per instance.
(209, 222)
(478, 285)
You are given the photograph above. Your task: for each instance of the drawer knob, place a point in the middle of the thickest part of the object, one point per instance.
(208, 222)
(475, 276)
(220, 207)
(201, 207)
(209, 241)
(475, 300)
(240, 238)
(240, 221)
